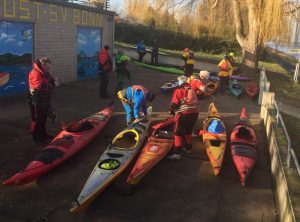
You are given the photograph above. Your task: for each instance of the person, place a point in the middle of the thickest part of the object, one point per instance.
(231, 59)
(133, 99)
(141, 50)
(188, 57)
(121, 69)
(198, 85)
(41, 84)
(105, 66)
(154, 53)
(225, 71)
(184, 105)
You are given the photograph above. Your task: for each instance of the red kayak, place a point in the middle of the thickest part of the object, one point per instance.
(243, 145)
(158, 145)
(74, 137)
(252, 90)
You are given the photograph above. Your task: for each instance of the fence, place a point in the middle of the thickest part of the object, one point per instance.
(103, 4)
(264, 85)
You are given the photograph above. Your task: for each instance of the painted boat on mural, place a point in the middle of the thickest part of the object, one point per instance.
(115, 159)
(235, 89)
(169, 87)
(72, 139)
(243, 144)
(4, 78)
(252, 90)
(157, 147)
(214, 138)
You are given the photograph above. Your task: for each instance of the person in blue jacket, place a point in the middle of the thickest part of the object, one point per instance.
(141, 50)
(134, 98)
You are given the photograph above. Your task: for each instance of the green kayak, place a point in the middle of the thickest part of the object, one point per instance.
(161, 68)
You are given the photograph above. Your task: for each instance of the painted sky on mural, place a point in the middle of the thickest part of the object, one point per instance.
(15, 38)
(88, 41)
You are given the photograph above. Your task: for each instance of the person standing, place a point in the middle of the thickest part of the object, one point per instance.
(41, 84)
(225, 71)
(121, 69)
(141, 50)
(105, 66)
(184, 105)
(154, 53)
(188, 58)
(134, 98)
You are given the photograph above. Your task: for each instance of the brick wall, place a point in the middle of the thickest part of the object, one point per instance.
(55, 29)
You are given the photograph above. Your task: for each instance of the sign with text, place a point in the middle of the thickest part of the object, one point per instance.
(36, 10)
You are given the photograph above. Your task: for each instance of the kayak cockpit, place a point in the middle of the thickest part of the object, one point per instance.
(127, 139)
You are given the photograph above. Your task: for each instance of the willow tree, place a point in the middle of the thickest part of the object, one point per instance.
(256, 21)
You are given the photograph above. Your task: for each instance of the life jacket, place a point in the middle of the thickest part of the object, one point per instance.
(189, 102)
(121, 61)
(39, 79)
(225, 68)
(104, 61)
(123, 93)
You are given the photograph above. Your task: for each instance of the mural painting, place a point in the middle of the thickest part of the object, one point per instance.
(16, 46)
(88, 47)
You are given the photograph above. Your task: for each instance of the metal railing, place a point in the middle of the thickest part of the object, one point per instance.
(103, 4)
(265, 85)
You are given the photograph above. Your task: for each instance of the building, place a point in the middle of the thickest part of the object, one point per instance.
(70, 34)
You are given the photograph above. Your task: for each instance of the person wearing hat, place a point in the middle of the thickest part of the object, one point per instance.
(198, 84)
(105, 66)
(184, 106)
(121, 69)
(41, 84)
(225, 71)
(141, 50)
(188, 58)
(134, 98)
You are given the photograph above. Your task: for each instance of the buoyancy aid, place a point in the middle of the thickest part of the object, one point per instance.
(39, 79)
(225, 68)
(125, 94)
(188, 57)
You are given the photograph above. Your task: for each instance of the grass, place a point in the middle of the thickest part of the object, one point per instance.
(281, 79)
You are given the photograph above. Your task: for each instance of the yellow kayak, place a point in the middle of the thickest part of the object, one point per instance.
(214, 138)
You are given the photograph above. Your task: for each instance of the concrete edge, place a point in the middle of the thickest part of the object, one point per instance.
(281, 190)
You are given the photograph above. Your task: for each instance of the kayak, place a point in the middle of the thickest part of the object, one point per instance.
(118, 155)
(211, 87)
(243, 146)
(214, 138)
(240, 78)
(161, 68)
(169, 87)
(252, 90)
(4, 78)
(235, 89)
(157, 147)
(69, 141)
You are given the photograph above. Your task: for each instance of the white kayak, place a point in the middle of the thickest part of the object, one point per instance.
(118, 155)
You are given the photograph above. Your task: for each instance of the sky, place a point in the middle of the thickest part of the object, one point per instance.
(118, 6)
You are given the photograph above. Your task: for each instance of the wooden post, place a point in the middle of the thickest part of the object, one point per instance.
(267, 102)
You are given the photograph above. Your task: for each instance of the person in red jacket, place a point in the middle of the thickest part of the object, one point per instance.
(40, 87)
(184, 106)
(105, 66)
(198, 84)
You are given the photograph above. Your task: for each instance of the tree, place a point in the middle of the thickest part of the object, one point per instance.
(256, 21)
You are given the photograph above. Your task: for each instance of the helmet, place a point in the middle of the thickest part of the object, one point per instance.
(231, 54)
(150, 96)
(226, 57)
(203, 74)
(182, 79)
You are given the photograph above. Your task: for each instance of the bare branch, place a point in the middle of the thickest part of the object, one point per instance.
(215, 4)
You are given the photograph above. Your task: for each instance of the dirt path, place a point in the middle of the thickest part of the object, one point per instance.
(184, 190)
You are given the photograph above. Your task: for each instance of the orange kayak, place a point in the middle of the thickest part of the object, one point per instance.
(214, 138)
(157, 147)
